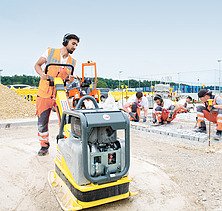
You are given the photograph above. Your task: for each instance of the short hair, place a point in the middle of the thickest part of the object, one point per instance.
(157, 97)
(139, 95)
(69, 36)
(189, 97)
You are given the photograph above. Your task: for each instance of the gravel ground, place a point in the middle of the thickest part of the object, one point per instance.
(168, 173)
(193, 166)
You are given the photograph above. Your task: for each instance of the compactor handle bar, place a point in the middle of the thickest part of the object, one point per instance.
(87, 97)
(62, 65)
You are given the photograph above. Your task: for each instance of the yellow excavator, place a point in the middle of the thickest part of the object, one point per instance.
(93, 153)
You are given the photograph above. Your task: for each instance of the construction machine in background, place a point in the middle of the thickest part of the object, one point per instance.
(163, 90)
(73, 89)
(84, 85)
(93, 153)
(89, 84)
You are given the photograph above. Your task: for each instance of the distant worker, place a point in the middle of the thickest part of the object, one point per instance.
(212, 111)
(185, 104)
(133, 106)
(46, 93)
(163, 110)
(185, 101)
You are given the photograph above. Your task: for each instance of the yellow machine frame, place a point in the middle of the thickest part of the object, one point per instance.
(63, 194)
(65, 197)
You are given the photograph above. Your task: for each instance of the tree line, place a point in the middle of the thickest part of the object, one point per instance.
(102, 82)
(20, 79)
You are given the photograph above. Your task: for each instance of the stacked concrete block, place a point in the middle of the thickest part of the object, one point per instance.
(179, 133)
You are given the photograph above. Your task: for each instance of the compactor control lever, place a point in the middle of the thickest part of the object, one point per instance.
(62, 65)
(50, 78)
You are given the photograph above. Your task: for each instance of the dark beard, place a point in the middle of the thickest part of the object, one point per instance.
(69, 51)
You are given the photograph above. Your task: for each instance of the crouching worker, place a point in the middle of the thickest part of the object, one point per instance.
(163, 110)
(212, 111)
(184, 105)
(134, 105)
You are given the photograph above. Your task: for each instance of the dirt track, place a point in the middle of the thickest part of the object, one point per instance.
(168, 173)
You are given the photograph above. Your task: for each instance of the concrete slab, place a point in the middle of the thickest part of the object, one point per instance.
(25, 121)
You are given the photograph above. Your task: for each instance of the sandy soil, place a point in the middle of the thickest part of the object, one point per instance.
(13, 106)
(168, 173)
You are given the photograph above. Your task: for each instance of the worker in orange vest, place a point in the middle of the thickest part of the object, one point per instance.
(46, 93)
(211, 111)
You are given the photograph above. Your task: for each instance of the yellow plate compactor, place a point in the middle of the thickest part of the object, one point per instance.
(92, 162)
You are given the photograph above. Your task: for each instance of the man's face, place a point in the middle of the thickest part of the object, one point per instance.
(158, 102)
(205, 98)
(188, 100)
(139, 100)
(72, 44)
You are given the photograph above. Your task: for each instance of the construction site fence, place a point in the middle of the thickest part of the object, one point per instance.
(119, 95)
(31, 94)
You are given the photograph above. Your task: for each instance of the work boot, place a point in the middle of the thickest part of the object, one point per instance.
(170, 115)
(144, 119)
(218, 135)
(44, 150)
(202, 128)
(154, 120)
(158, 123)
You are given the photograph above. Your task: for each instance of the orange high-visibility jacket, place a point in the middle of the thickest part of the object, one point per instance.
(44, 90)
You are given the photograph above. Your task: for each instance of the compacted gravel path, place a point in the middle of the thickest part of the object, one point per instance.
(168, 173)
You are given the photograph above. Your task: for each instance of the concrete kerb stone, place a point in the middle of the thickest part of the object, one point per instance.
(179, 133)
(203, 138)
(186, 135)
(21, 122)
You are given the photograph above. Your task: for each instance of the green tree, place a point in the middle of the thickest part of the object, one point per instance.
(101, 84)
(24, 79)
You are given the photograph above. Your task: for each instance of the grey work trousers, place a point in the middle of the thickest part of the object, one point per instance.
(43, 121)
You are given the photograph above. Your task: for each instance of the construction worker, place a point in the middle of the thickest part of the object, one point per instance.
(46, 93)
(133, 106)
(163, 110)
(185, 101)
(211, 111)
(184, 104)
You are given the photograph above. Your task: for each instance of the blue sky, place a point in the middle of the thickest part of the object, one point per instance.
(173, 39)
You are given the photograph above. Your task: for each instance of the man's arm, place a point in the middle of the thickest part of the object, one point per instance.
(145, 111)
(145, 108)
(38, 67)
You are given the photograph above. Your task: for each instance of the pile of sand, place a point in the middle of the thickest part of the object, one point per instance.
(13, 106)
